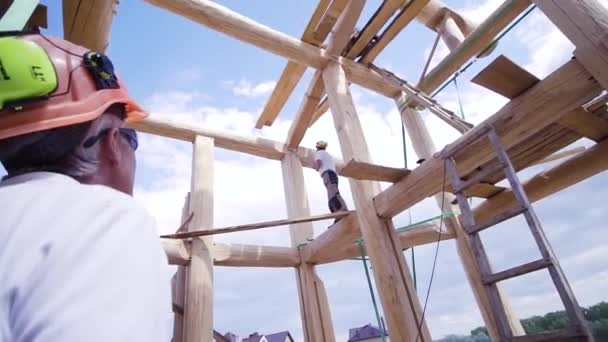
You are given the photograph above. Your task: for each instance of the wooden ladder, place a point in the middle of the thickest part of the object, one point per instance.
(577, 329)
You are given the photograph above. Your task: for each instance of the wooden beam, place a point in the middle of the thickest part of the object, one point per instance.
(198, 308)
(327, 245)
(316, 315)
(510, 80)
(473, 44)
(88, 23)
(340, 37)
(402, 309)
(366, 171)
(177, 251)
(564, 90)
(584, 23)
(254, 226)
(222, 19)
(238, 255)
(179, 279)
(560, 155)
(449, 32)
(572, 171)
(405, 17)
(292, 73)
(329, 19)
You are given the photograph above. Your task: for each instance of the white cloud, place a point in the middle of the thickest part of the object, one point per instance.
(252, 90)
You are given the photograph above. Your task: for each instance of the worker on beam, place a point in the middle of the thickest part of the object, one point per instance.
(324, 163)
(79, 259)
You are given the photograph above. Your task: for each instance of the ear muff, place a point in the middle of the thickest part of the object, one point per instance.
(26, 72)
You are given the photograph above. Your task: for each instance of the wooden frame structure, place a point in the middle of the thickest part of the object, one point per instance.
(542, 117)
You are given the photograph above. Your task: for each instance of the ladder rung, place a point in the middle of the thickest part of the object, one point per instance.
(517, 271)
(478, 177)
(495, 220)
(553, 335)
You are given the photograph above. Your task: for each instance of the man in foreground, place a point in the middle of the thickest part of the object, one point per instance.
(79, 259)
(324, 163)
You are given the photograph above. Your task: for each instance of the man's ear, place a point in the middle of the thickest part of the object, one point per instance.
(109, 147)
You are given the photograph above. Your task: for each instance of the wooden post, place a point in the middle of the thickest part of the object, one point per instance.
(179, 280)
(449, 32)
(198, 308)
(399, 299)
(425, 148)
(314, 307)
(585, 23)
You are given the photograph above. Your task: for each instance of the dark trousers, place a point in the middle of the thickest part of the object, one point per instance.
(334, 199)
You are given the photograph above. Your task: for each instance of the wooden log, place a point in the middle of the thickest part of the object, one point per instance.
(366, 171)
(198, 308)
(560, 155)
(327, 245)
(584, 23)
(473, 44)
(88, 23)
(402, 309)
(222, 19)
(450, 32)
(254, 226)
(576, 169)
(238, 255)
(434, 12)
(340, 37)
(292, 73)
(177, 251)
(564, 90)
(425, 148)
(329, 19)
(316, 315)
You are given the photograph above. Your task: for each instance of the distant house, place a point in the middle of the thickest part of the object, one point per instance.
(367, 333)
(230, 337)
(283, 336)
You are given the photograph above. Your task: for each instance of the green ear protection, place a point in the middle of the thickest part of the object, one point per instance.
(26, 71)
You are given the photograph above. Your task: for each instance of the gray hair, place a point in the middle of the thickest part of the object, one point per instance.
(57, 150)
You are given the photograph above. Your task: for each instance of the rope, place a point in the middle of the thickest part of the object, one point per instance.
(371, 291)
(495, 41)
(428, 292)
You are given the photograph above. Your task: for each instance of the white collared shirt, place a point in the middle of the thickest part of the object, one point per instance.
(327, 162)
(78, 263)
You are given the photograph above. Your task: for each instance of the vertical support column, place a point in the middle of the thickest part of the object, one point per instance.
(585, 23)
(395, 286)
(198, 308)
(179, 284)
(314, 307)
(425, 148)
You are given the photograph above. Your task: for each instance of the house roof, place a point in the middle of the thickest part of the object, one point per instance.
(363, 333)
(276, 337)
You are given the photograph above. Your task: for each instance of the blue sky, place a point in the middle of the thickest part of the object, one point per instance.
(180, 69)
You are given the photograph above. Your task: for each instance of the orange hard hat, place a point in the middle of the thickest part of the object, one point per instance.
(52, 83)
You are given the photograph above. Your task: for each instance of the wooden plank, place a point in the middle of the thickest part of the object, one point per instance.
(564, 90)
(340, 37)
(179, 283)
(366, 171)
(561, 155)
(292, 73)
(402, 309)
(506, 78)
(553, 335)
(254, 226)
(314, 307)
(478, 177)
(405, 17)
(88, 23)
(584, 23)
(198, 308)
(238, 255)
(483, 190)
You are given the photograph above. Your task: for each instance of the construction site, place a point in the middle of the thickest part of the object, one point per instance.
(541, 119)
